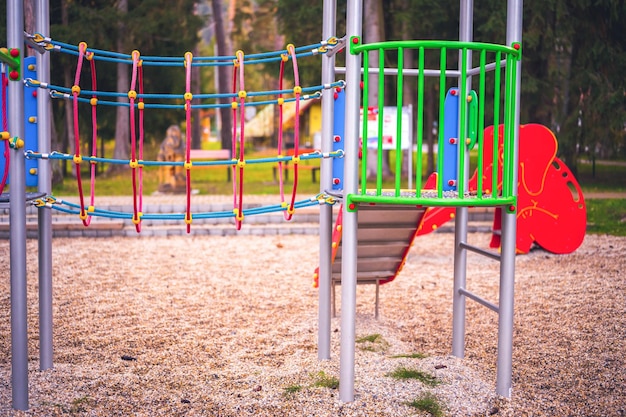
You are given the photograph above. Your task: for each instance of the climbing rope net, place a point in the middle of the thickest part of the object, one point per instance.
(135, 100)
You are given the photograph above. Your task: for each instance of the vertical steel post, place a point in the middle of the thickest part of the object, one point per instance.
(326, 177)
(461, 218)
(349, 240)
(17, 216)
(509, 232)
(44, 185)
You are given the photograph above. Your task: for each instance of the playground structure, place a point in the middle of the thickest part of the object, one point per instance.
(496, 67)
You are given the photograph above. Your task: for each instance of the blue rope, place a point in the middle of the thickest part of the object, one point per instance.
(73, 208)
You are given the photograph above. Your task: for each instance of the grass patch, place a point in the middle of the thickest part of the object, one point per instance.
(372, 343)
(321, 379)
(429, 404)
(606, 216)
(292, 389)
(423, 377)
(409, 356)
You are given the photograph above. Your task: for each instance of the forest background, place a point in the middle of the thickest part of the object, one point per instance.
(573, 67)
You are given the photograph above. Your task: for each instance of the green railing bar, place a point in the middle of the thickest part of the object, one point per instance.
(420, 121)
(434, 44)
(481, 124)
(366, 83)
(496, 126)
(441, 139)
(427, 201)
(399, 102)
(462, 124)
(381, 109)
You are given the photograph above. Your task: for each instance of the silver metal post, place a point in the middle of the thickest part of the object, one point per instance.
(44, 185)
(509, 232)
(17, 217)
(349, 239)
(461, 218)
(326, 211)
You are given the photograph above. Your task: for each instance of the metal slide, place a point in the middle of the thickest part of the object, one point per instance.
(385, 234)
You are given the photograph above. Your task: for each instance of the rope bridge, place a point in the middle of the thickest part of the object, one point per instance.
(135, 101)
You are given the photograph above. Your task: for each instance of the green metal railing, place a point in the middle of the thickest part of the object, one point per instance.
(493, 60)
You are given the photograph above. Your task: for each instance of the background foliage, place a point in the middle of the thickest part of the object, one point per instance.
(573, 61)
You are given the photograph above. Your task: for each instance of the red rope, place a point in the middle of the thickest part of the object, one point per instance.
(281, 101)
(238, 107)
(188, 97)
(5, 127)
(77, 156)
(94, 132)
(132, 95)
(296, 130)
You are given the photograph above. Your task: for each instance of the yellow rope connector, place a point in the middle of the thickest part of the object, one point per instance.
(137, 219)
(291, 210)
(241, 164)
(91, 209)
(295, 159)
(187, 165)
(234, 105)
(238, 214)
(5, 135)
(133, 163)
(284, 57)
(77, 159)
(290, 47)
(189, 219)
(280, 101)
(188, 96)
(93, 101)
(141, 105)
(135, 55)
(82, 46)
(284, 205)
(90, 56)
(132, 94)
(75, 89)
(297, 90)
(242, 94)
(83, 215)
(188, 58)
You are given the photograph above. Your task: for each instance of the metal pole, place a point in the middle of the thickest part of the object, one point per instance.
(17, 217)
(44, 172)
(326, 211)
(349, 244)
(509, 232)
(461, 218)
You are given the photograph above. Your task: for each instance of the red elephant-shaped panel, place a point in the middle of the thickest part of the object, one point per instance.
(550, 206)
(551, 209)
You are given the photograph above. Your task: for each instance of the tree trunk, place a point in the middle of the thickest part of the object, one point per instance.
(223, 78)
(122, 121)
(374, 32)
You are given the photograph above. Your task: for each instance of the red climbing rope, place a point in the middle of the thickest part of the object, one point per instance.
(296, 130)
(135, 165)
(94, 131)
(5, 138)
(188, 96)
(239, 89)
(82, 47)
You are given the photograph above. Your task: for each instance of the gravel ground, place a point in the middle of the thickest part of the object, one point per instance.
(227, 326)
